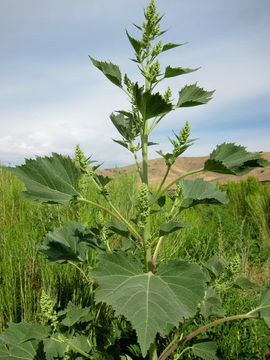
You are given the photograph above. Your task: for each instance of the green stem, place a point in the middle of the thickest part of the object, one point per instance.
(176, 343)
(182, 352)
(164, 179)
(72, 346)
(162, 191)
(138, 165)
(145, 156)
(80, 270)
(153, 352)
(154, 258)
(116, 215)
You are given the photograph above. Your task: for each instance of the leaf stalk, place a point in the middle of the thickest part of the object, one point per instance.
(176, 343)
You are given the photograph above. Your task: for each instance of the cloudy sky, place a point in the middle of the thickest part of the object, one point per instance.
(52, 98)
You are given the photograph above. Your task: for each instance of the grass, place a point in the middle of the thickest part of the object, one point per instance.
(239, 233)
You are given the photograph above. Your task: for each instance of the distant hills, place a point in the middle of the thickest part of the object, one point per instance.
(183, 164)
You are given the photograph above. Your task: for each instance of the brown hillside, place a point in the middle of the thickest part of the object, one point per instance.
(183, 164)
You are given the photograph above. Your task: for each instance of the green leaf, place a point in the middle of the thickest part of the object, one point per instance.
(205, 350)
(81, 342)
(50, 179)
(193, 95)
(170, 227)
(170, 46)
(244, 283)
(111, 71)
(149, 301)
(264, 307)
(150, 105)
(229, 158)
(118, 228)
(21, 340)
(199, 191)
(125, 124)
(25, 351)
(212, 305)
(171, 72)
(102, 180)
(53, 348)
(68, 243)
(216, 265)
(21, 332)
(136, 44)
(121, 142)
(74, 314)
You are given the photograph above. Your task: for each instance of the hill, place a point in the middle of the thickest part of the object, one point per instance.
(157, 169)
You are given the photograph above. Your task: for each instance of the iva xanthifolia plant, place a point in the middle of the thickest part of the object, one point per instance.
(143, 300)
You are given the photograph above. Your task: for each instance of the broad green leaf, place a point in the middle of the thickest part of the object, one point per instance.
(25, 351)
(70, 242)
(125, 124)
(170, 46)
(149, 301)
(244, 283)
(111, 71)
(21, 340)
(53, 348)
(74, 314)
(212, 305)
(118, 228)
(193, 95)
(216, 265)
(233, 159)
(264, 308)
(171, 72)
(205, 350)
(136, 44)
(199, 191)
(170, 227)
(81, 342)
(50, 179)
(21, 332)
(150, 105)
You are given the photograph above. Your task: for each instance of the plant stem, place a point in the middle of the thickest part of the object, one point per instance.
(80, 270)
(72, 346)
(182, 352)
(116, 215)
(175, 344)
(162, 191)
(153, 352)
(145, 156)
(154, 258)
(164, 179)
(139, 171)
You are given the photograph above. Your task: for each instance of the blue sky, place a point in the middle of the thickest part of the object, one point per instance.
(52, 98)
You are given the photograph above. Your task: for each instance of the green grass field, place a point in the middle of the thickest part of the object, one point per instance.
(239, 233)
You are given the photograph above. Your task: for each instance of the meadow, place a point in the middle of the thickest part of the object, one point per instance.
(239, 233)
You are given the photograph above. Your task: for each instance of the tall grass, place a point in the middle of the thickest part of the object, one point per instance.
(239, 233)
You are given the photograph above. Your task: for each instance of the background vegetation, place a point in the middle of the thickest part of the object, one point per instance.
(239, 233)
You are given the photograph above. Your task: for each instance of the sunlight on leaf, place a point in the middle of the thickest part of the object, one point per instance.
(229, 158)
(149, 301)
(51, 180)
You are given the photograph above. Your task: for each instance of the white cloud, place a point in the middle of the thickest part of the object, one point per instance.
(55, 102)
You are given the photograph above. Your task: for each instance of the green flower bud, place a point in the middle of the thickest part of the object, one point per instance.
(47, 310)
(143, 205)
(184, 134)
(168, 94)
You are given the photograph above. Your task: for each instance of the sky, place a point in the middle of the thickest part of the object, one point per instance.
(52, 98)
